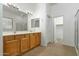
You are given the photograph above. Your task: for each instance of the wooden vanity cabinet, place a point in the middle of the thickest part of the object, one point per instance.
(19, 37)
(20, 43)
(8, 38)
(10, 46)
(25, 43)
(35, 39)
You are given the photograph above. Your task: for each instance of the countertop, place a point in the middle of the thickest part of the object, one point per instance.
(18, 32)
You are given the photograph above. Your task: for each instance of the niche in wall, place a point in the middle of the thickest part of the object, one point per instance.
(35, 22)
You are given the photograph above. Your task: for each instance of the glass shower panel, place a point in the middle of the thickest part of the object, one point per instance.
(77, 32)
(78, 29)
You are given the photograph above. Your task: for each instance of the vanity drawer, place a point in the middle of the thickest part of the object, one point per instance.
(19, 36)
(8, 38)
(27, 35)
(32, 34)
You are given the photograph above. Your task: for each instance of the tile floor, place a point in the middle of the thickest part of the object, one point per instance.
(52, 50)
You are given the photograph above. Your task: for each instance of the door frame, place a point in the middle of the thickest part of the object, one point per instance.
(54, 27)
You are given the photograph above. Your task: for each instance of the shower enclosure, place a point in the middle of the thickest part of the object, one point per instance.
(77, 32)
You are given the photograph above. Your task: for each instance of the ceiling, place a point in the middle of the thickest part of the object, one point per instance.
(31, 7)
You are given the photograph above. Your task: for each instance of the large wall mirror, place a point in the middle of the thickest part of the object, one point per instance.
(7, 24)
(16, 21)
(21, 24)
(10, 24)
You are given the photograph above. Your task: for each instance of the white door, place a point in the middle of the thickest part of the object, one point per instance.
(58, 29)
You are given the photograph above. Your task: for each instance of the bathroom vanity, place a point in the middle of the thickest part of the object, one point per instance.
(17, 38)
(20, 43)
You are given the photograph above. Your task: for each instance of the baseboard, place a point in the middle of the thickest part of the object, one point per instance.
(68, 44)
(43, 45)
(72, 45)
(76, 51)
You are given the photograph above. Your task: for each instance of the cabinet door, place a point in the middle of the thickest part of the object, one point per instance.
(11, 47)
(37, 38)
(24, 44)
(19, 37)
(32, 40)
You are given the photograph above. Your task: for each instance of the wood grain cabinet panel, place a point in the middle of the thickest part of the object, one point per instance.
(32, 40)
(35, 39)
(18, 37)
(20, 43)
(38, 38)
(27, 35)
(24, 44)
(11, 47)
(8, 38)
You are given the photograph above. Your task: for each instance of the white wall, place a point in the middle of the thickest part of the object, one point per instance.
(1, 41)
(68, 11)
(49, 24)
(49, 30)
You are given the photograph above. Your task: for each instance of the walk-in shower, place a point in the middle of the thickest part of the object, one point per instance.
(77, 32)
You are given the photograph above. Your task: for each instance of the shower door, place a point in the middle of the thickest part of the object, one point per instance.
(77, 32)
